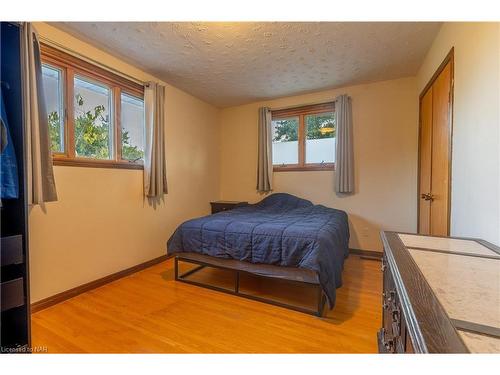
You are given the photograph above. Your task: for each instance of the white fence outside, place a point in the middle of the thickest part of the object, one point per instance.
(317, 150)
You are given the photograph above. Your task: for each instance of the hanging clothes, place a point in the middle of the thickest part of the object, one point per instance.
(9, 182)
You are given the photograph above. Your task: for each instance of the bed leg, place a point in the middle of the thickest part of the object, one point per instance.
(321, 302)
(237, 283)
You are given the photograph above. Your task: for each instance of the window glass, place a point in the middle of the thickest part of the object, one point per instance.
(132, 123)
(320, 138)
(93, 125)
(285, 141)
(53, 93)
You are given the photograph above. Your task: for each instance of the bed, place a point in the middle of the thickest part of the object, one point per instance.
(281, 236)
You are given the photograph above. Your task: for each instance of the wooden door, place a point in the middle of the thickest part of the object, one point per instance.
(425, 157)
(435, 152)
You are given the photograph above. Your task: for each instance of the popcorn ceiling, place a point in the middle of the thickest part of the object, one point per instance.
(232, 63)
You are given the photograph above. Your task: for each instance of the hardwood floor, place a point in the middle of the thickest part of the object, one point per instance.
(148, 312)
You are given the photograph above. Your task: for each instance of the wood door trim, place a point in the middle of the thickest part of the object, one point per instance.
(419, 192)
(450, 58)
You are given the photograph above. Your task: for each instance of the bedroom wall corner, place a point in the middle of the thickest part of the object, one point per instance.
(385, 145)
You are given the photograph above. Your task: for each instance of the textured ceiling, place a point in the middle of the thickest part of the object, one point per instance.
(239, 62)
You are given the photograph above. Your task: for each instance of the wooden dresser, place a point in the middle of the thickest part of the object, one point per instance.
(440, 295)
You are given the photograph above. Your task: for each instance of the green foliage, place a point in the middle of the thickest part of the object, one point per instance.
(55, 131)
(91, 133)
(130, 152)
(287, 130)
(315, 123)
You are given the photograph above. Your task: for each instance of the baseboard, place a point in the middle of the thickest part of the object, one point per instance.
(369, 254)
(70, 293)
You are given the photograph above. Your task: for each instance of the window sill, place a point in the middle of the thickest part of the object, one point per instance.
(93, 163)
(304, 168)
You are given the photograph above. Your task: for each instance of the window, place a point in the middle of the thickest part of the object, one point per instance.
(53, 90)
(285, 141)
(92, 113)
(96, 118)
(132, 135)
(320, 138)
(304, 138)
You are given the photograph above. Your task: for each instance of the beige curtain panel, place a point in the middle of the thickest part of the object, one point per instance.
(41, 183)
(344, 158)
(265, 149)
(155, 168)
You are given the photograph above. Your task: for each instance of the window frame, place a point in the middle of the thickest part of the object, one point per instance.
(120, 127)
(62, 101)
(301, 112)
(70, 67)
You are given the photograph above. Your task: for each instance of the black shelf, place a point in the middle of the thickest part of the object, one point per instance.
(14, 268)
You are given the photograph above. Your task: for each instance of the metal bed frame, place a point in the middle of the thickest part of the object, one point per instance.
(201, 264)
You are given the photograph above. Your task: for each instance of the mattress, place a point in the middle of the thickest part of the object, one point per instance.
(281, 230)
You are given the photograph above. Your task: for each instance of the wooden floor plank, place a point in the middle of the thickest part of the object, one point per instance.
(149, 312)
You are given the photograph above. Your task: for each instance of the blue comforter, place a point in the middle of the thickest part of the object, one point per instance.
(281, 229)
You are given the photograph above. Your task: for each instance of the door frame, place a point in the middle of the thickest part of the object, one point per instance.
(450, 58)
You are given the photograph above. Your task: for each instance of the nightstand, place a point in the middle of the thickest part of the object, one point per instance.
(219, 206)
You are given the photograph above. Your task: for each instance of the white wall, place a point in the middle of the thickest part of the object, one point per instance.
(475, 191)
(385, 157)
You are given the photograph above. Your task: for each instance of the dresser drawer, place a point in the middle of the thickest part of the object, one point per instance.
(393, 329)
(385, 344)
(11, 250)
(396, 317)
(398, 329)
(12, 294)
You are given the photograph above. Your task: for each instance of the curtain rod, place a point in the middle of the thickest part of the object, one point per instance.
(90, 60)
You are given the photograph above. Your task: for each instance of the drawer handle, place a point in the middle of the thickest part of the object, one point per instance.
(395, 329)
(384, 266)
(396, 322)
(388, 344)
(388, 297)
(395, 316)
(391, 296)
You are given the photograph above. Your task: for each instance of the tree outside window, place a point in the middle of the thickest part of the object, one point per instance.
(91, 133)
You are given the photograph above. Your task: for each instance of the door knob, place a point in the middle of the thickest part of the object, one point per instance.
(427, 197)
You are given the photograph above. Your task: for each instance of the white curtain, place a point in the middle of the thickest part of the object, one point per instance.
(344, 158)
(155, 169)
(265, 149)
(40, 175)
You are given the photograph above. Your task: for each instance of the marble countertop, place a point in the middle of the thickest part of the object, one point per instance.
(465, 277)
